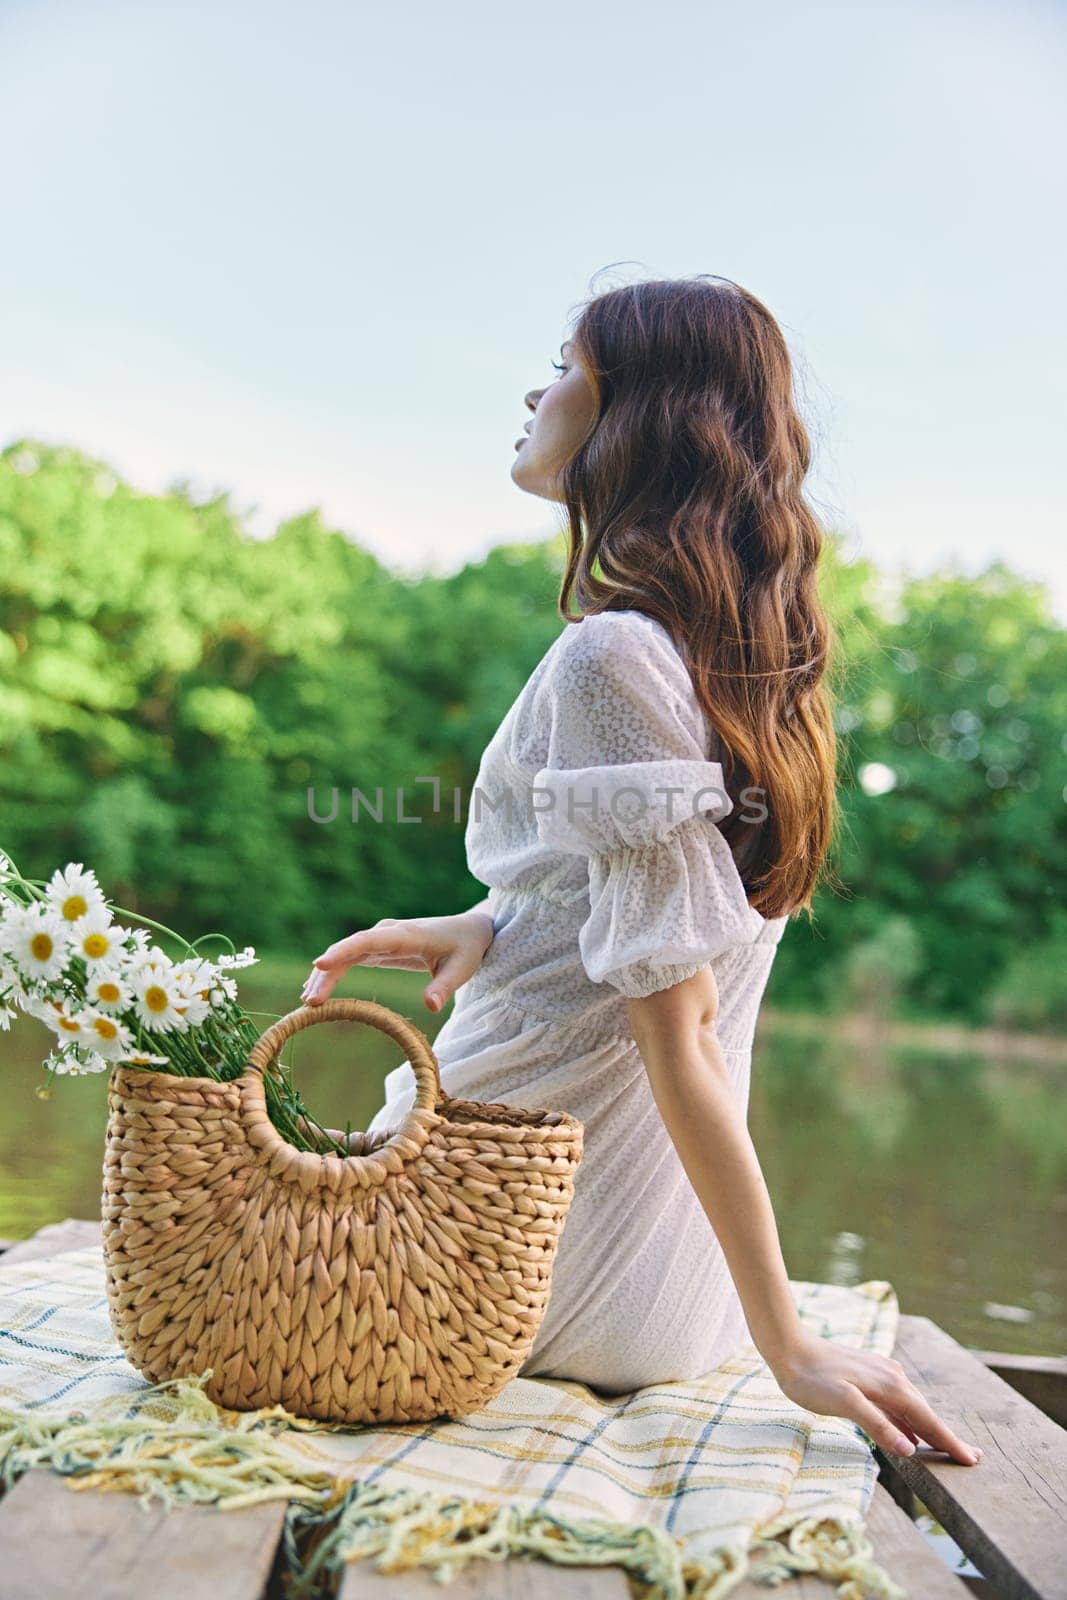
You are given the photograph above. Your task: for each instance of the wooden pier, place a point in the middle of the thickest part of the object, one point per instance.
(1009, 1514)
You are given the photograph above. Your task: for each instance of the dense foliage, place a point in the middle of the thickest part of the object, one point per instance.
(172, 688)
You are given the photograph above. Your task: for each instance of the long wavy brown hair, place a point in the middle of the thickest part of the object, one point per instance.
(685, 501)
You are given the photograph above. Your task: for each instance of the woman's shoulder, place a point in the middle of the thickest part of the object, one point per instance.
(610, 640)
(620, 666)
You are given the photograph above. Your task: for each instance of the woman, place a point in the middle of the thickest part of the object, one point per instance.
(654, 806)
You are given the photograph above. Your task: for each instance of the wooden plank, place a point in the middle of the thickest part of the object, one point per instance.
(906, 1554)
(1009, 1513)
(1040, 1379)
(897, 1489)
(66, 1544)
(517, 1578)
(51, 1240)
(897, 1544)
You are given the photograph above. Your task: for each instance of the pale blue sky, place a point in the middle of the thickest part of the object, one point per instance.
(317, 253)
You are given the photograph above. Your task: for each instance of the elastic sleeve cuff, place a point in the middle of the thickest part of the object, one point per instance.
(643, 978)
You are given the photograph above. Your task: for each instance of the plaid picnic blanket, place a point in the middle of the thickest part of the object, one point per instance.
(690, 1487)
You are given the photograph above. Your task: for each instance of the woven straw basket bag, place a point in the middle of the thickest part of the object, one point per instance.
(402, 1282)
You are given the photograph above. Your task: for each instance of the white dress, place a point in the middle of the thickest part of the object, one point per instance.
(593, 822)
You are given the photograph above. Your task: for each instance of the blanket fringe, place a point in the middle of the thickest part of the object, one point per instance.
(171, 1443)
(407, 1529)
(831, 1548)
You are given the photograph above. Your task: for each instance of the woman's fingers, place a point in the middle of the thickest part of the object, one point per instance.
(390, 943)
(898, 1423)
(917, 1413)
(387, 938)
(318, 987)
(448, 976)
(885, 1433)
(449, 948)
(902, 1425)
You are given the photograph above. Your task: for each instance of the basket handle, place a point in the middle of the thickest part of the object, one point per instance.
(423, 1061)
(357, 1170)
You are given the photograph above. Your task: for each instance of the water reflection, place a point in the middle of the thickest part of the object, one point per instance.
(945, 1174)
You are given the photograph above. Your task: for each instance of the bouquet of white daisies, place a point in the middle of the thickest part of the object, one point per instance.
(110, 995)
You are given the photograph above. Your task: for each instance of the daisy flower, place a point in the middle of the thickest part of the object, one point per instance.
(9, 977)
(154, 959)
(72, 891)
(36, 940)
(195, 978)
(192, 1008)
(226, 989)
(62, 1019)
(75, 1062)
(194, 974)
(9, 915)
(59, 1062)
(95, 939)
(142, 1058)
(106, 988)
(156, 999)
(107, 1036)
(137, 941)
(26, 996)
(247, 958)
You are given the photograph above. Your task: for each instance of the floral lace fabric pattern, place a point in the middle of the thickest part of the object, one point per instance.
(593, 824)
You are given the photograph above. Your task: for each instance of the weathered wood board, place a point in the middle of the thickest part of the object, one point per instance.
(1009, 1514)
(58, 1543)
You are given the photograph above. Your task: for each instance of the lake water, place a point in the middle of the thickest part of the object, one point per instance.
(945, 1174)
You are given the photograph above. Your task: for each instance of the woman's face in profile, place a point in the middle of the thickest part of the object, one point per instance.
(563, 414)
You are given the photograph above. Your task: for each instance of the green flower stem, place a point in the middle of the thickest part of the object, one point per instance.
(36, 886)
(160, 927)
(219, 1034)
(225, 936)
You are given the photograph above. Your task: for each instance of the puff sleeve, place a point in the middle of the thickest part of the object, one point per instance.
(628, 786)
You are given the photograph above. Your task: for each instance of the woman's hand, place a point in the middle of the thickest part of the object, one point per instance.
(873, 1390)
(451, 948)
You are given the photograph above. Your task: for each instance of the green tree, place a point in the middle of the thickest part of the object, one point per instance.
(179, 701)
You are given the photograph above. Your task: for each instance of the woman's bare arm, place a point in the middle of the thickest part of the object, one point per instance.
(674, 1030)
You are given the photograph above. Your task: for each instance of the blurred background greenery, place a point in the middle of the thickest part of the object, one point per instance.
(172, 688)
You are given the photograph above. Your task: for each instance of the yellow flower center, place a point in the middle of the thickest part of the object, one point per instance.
(107, 991)
(70, 1024)
(156, 999)
(96, 944)
(74, 907)
(41, 946)
(106, 1028)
